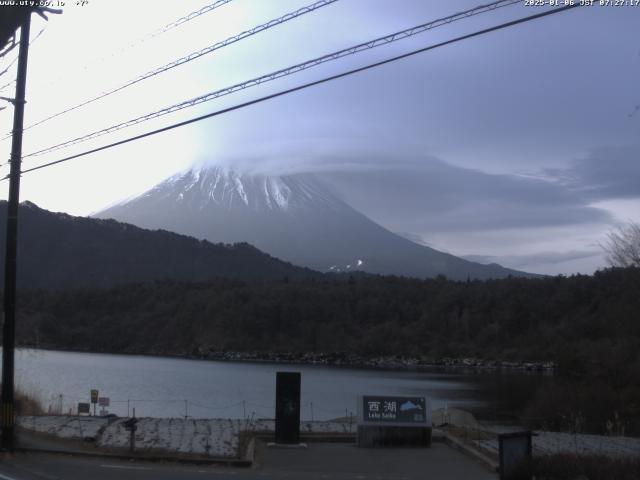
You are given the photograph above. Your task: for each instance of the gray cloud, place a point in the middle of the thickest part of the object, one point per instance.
(552, 258)
(413, 194)
(606, 173)
(409, 191)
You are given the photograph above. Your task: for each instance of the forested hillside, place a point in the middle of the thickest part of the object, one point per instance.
(589, 325)
(510, 318)
(56, 250)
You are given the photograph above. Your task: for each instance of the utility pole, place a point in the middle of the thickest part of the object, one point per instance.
(9, 327)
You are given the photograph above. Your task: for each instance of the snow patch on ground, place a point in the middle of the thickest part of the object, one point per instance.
(280, 192)
(267, 197)
(65, 426)
(210, 437)
(240, 190)
(547, 443)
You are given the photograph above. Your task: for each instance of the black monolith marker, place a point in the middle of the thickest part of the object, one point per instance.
(288, 407)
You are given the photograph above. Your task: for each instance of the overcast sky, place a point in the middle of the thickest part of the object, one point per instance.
(521, 146)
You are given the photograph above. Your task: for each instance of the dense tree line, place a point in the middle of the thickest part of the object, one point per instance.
(535, 319)
(589, 325)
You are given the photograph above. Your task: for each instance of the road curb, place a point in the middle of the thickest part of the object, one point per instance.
(227, 462)
(313, 438)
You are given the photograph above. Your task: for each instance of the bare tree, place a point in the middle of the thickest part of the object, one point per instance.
(623, 246)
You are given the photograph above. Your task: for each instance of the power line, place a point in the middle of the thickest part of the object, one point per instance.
(31, 42)
(11, 82)
(282, 73)
(192, 56)
(11, 64)
(190, 16)
(185, 19)
(10, 46)
(307, 85)
(7, 85)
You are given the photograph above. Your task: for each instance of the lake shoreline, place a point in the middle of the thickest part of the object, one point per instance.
(340, 360)
(179, 385)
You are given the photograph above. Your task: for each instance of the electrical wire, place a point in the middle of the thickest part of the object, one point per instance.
(308, 85)
(153, 34)
(282, 73)
(11, 64)
(185, 19)
(9, 46)
(31, 42)
(7, 85)
(190, 57)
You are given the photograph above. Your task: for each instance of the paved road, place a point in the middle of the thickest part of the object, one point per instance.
(318, 462)
(346, 461)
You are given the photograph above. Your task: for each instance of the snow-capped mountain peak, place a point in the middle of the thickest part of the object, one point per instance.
(297, 218)
(230, 189)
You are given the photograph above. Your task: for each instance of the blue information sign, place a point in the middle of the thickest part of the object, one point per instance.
(395, 410)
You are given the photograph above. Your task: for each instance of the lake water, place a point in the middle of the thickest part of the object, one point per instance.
(170, 387)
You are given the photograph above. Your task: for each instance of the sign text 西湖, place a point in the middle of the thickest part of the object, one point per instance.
(396, 409)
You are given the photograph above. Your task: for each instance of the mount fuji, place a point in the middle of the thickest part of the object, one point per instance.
(297, 218)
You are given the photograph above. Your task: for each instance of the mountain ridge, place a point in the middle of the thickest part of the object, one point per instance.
(57, 250)
(296, 217)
